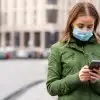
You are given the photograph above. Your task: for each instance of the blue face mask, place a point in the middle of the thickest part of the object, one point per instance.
(82, 35)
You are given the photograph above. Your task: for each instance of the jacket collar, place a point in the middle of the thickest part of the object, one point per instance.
(92, 40)
(72, 44)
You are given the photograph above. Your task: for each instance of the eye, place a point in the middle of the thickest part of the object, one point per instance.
(90, 26)
(80, 26)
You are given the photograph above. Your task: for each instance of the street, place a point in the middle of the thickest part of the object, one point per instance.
(23, 80)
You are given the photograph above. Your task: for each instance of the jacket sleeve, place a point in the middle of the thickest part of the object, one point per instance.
(96, 86)
(56, 85)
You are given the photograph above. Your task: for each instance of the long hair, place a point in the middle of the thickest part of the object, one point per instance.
(80, 9)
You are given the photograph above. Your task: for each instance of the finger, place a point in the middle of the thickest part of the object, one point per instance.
(99, 68)
(85, 70)
(94, 78)
(97, 71)
(84, 74)
(86, 67)
(94, 75)
(85, 78)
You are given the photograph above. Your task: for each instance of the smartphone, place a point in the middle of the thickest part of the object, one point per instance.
(95, 64)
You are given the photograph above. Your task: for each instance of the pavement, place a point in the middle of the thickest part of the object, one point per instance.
(23, 80)
(37, 93)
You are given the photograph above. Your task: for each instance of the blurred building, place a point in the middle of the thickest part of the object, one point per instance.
(33, 25)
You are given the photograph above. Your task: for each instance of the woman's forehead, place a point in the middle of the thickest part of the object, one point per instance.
(85, 20)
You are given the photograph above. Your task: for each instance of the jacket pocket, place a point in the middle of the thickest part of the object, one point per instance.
(68, 62)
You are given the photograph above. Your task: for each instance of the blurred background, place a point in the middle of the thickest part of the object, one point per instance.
(27, 30)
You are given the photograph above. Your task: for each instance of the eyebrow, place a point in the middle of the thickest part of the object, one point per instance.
(84, 24)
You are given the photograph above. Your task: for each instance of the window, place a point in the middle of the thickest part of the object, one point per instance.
(56, 37)
(8, 38)
(26, 39)
(14, 18)
(16, 39)
(0, 13)
(50, 38)
(0, 39)
(0, 19)
(37, 39)
(15, 12)
(34, 16)
(25, 12)
(34, 3)
(25, 17)
(25, 4)
(52, 15)
(52, 1)
(69, 3)
(15, 4)
(5, 18)
(35, 12)
(47, 39)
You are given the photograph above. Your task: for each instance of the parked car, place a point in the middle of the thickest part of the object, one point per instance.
(21, 54)
(35, 54)
(32, 54)
(9, 52)
(2, 53)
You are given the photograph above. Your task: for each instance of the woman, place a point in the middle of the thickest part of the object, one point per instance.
(69, 76)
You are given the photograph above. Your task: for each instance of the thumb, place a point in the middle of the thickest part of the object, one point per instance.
(86, 67)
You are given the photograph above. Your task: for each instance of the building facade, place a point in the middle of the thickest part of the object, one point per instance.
(33, 25)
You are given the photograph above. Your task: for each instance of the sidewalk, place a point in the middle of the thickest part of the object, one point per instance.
(38, 92)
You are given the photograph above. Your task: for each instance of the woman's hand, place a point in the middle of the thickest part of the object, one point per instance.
(84, 74)
(94, 75)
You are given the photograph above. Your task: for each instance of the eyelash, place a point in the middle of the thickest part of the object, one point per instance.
(89, 27)
(82, 26)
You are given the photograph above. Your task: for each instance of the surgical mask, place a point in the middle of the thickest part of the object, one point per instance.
(82, 35)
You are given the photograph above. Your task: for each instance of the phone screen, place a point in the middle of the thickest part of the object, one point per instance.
(95, 64)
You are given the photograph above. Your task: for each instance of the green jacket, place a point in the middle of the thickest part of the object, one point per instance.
(64, 63)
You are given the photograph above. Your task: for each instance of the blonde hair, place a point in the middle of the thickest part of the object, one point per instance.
(80, 9)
